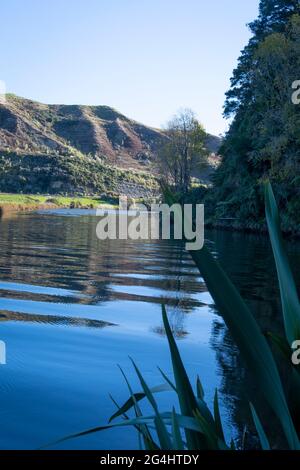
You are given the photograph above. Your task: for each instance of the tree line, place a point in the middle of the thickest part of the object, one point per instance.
(263, 141)
(264, 138)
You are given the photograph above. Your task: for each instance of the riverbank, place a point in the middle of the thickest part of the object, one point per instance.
(249, 226)
(30, 202)
(235, 218)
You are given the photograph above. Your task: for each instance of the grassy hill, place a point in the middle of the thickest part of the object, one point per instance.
(76, 150)
(60, 149)
(30, 127)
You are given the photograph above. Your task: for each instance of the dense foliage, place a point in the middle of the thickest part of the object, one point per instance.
(69, 174)
(264, 138)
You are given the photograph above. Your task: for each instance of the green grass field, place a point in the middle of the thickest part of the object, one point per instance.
(33, 200)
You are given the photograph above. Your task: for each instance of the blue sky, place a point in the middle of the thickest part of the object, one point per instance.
(146, 58)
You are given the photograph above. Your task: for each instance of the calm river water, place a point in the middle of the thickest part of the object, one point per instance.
(72, 308)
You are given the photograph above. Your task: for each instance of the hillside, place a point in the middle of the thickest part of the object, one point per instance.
(28, 127)
(74, 149)
(213, 143)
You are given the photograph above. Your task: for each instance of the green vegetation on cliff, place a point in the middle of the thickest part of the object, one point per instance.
(70, 175)
(264, 138)
(60, 149)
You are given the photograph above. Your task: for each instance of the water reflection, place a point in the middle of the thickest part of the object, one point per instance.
(72, 262)
(52, 319)
(56, 275)
(248, 260)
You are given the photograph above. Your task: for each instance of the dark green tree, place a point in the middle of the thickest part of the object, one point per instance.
(273, 18)
(264, 138)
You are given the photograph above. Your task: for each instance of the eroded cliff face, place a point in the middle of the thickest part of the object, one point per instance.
(74, 149)
(28, 127)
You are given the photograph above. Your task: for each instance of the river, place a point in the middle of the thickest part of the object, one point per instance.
(73, 308)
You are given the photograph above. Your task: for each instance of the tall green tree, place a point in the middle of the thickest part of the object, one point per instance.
(273, 18)
(263, 139)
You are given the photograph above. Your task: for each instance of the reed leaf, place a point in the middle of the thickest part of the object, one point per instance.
(136, 397)
(187, 399)
(246, 334)
(260, 431)
(288, 291)
(162, 432)
(177, 438)
(217, 417)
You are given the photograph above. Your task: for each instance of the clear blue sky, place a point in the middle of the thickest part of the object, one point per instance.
(146, 58)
